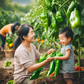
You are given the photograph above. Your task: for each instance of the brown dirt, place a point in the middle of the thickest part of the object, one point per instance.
(5, 75)
(2, 54)
(58, 80)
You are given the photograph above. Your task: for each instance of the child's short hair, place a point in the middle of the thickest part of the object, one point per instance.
(68, 32)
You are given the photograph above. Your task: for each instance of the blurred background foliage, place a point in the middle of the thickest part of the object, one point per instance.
(10, 5)
(11, 11)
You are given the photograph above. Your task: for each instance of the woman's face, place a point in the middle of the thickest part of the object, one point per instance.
(31, 35)
(17, 27)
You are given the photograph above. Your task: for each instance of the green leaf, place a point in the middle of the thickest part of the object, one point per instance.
(77, 31)
(37, 11)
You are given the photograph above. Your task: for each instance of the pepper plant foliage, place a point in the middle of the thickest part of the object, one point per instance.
(7, 17)
(48, 29)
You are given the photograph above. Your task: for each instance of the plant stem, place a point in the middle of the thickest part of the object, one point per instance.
(54, 46)
(45, 83)
(64, 3)
(75, 1)
(58, 45)
(79, 56)
(57, 3)
(39, 46)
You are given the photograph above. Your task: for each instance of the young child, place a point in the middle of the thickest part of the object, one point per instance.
(67, 68)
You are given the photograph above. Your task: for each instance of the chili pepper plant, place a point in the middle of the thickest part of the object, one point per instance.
(48, 17)
(10, 41)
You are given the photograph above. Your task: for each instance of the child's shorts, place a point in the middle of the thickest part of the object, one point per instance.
(68, 76)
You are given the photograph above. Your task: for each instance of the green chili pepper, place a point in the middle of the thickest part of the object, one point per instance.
(50, 55)
(75, 19)
(52, 65)
(58, 52)
(70, 9)
(57, 66)
(54, 54)
(36, 73)
(42, 58)
(44, 18)
(48, 3)
(53, 24)
(51, 68)
(59, 16)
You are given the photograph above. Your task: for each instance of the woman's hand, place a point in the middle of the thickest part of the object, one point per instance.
(50, 51)
(10, 35)
(49, 59)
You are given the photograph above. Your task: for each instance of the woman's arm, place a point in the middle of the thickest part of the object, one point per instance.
(10, 34)
(36, 66)
(66, 57)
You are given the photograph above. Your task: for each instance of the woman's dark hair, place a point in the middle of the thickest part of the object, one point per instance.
(13, 27)
(22, 31)
(68, 32)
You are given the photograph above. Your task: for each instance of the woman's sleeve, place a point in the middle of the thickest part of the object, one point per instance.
(37, 53)
(24, 59)
(10, 32)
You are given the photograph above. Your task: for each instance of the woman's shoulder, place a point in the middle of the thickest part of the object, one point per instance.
(8, 26)
(21, 48)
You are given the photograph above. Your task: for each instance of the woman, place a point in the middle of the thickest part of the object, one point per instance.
(25, 55)
(10, 28)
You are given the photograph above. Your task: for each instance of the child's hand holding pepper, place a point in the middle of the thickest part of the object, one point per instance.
(56, 58)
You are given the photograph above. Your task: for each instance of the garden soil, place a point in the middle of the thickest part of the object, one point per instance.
(6, 73)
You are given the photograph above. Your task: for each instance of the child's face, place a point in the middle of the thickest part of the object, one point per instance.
(64, 40)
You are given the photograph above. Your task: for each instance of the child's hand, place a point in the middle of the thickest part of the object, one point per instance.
(49, 59)
(50, 51)
(56, 58)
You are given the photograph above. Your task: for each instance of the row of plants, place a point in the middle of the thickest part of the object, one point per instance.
(7, 17)
(13, 6)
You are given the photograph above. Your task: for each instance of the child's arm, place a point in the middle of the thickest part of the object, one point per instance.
(66, 57)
